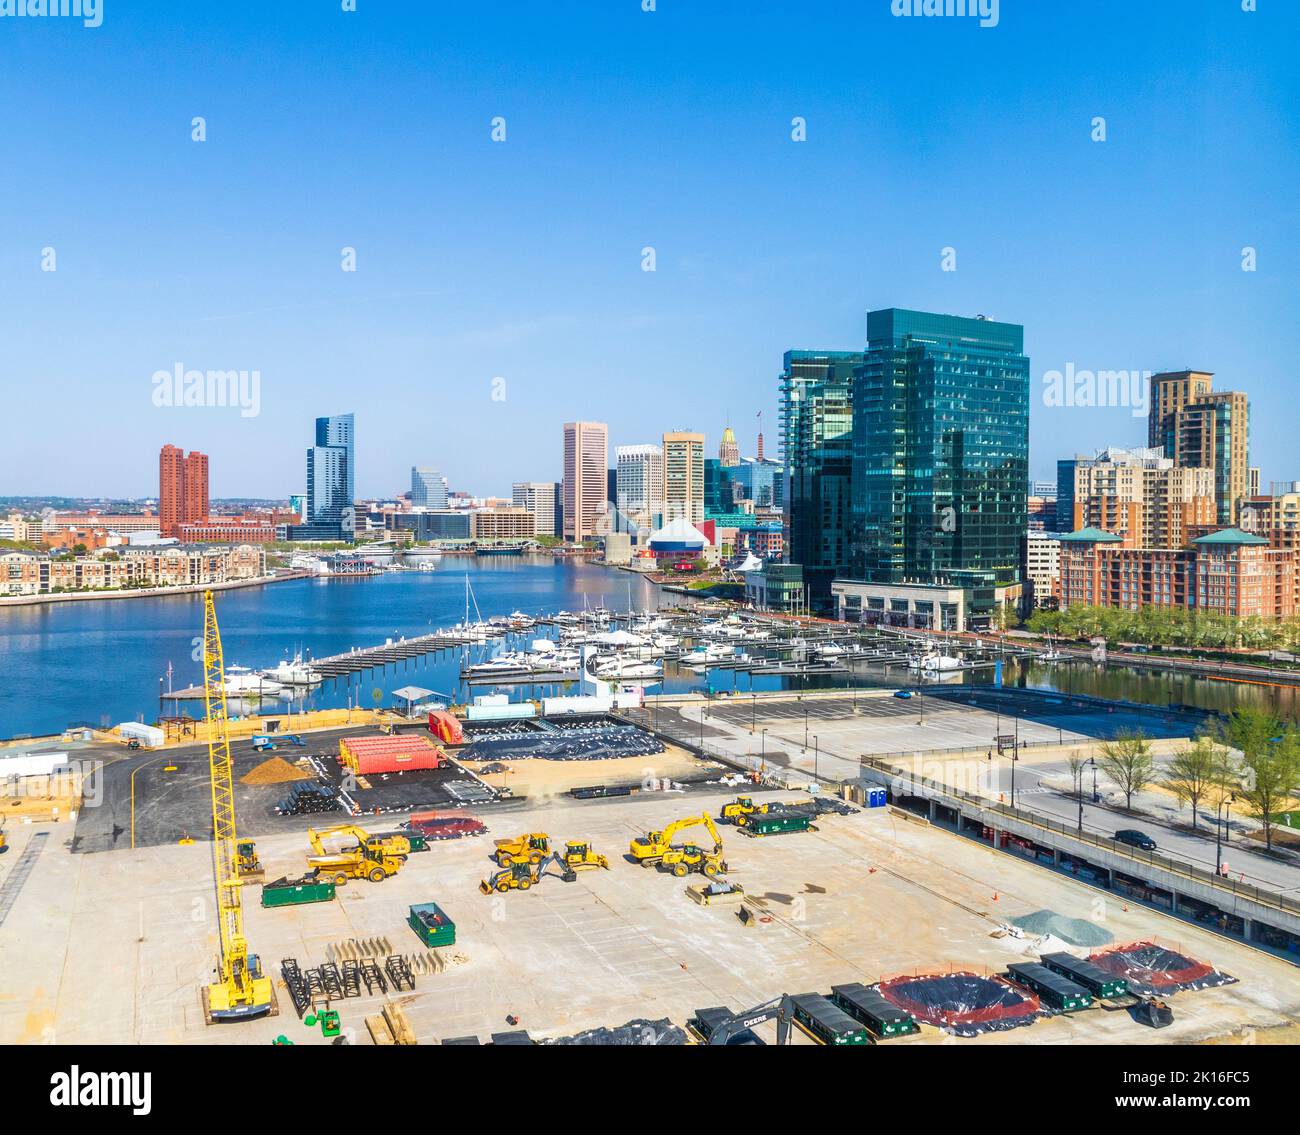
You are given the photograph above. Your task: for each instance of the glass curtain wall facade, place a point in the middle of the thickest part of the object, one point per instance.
(817, 449)
(940, 451)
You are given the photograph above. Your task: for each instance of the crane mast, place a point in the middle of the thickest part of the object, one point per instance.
(240, 991)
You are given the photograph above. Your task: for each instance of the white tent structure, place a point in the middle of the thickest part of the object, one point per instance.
(678, 535)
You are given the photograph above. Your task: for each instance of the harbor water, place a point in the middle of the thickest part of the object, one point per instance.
(104, 662)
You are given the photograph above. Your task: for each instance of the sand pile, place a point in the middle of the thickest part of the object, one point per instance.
(276, 770)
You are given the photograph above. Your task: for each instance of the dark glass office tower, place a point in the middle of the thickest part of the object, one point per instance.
(817, 447)
(940, 452)
(331, 469)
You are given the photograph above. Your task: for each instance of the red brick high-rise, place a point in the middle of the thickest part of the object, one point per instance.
(182, 489)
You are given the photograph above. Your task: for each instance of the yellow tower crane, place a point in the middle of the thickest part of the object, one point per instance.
(240, 991)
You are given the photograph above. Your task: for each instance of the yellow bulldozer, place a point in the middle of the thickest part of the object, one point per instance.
(656, 848)
(531, 848)
(369, 857)
(742, 807)
(579, 855)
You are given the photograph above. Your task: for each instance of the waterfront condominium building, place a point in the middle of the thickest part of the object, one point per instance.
(1143, 497)
(428, 487)
(1228, 572)
(586, 478)
(639, 475)
(538, 499)
(940, 471)
(331, 470)
(684, 477)
(817, 446)
(182, 489)
(1197, 426)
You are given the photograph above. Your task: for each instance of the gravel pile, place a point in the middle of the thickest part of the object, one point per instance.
(1076, 931)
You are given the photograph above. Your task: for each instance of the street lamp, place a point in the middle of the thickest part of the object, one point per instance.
(753, 711)
(1093, 762)
(1221, 835)
(762, 756)
(816, 754)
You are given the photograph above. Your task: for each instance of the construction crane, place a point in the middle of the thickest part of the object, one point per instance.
(241, 991)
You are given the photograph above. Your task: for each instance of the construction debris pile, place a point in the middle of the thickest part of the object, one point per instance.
(637, 1032)
(585, 743)
(966, 1004)
(1151, 969)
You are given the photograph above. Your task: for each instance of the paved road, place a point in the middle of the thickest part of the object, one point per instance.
(1033, 794)
(846, 734)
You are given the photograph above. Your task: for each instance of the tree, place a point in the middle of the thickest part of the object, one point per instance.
(1270, 763)
(1127, 760)
(1078, 763)
(1196, 771)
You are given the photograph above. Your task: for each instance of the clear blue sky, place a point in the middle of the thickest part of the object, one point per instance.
(625, 129)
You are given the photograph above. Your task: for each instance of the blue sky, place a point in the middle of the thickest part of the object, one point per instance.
(522, 259)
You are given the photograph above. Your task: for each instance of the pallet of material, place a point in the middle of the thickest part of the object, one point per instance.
(398, 1025)
(380, 1033)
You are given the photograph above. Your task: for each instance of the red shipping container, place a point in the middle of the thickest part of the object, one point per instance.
(390, 754)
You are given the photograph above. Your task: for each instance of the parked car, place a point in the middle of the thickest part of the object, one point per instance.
(902, 693)
(1135, 838)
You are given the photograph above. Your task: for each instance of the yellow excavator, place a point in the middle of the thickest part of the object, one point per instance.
(657, 849)
(370, 857)
(241, 991)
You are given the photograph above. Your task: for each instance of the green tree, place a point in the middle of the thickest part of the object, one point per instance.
(1270, 763)
(1127, 760)
(1195, 772)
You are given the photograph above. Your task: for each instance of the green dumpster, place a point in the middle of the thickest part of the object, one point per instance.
(777, 823)
(431, 924)
(295, 892)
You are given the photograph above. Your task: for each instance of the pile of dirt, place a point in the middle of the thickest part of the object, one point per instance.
(276, 770)
(1076, 931)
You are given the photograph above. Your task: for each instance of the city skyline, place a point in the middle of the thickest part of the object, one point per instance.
(214, 263)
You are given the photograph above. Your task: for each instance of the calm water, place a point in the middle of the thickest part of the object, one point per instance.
(105, 662)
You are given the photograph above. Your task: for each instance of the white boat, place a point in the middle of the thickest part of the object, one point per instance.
(828, 650)
(295, 673)
(241, 681)
(619, 668)
(707, 653)
(932, 663)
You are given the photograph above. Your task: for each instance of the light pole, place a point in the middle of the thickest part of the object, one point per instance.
(805, 727)
(816, 754)
(762, 757)
(1220, 832)
(753, 710)
(1093, 762)
(1078, 792)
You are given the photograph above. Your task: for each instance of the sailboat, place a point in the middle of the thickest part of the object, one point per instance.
(478, 631)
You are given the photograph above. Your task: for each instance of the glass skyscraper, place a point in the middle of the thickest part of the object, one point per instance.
(331, 469)
(940, 452)
(817, 447)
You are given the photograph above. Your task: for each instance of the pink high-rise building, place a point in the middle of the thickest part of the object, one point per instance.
(586, 477)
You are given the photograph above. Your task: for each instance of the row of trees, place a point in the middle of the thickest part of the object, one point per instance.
(1169, 626)
(1252, 757)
